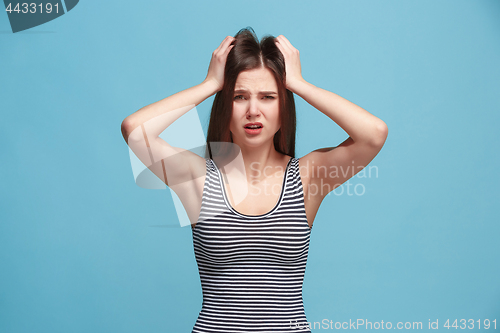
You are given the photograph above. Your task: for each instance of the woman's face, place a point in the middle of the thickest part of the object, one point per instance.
(255, 100)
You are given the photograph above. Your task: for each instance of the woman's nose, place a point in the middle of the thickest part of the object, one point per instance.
(253, 107)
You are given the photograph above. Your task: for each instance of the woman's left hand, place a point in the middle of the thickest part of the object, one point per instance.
(292, 62)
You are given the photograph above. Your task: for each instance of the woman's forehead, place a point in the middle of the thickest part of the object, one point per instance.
(256, 80)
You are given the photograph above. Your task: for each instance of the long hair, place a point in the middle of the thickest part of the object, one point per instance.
(248, 54)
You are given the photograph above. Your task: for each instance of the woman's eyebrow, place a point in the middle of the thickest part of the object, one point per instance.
(242, 91)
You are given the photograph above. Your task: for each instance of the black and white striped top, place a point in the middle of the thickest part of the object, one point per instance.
(252, 266)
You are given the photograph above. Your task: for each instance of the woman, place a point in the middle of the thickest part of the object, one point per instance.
(252, 203)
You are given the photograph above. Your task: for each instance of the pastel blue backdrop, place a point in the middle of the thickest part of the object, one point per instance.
(85, 249)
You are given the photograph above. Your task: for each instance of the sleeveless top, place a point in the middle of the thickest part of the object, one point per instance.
(252, 266)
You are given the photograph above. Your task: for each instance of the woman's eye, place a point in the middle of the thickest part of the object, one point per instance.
(243, 97)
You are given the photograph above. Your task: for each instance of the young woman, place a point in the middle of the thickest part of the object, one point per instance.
(251, 202)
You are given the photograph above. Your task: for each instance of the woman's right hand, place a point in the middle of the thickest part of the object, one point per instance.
(218, 63)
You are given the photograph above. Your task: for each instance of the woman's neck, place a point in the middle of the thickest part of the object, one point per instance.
(254, 162)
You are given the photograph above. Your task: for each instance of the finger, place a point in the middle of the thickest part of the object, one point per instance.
(283, 48)
(280, 47)
(278, 43)
(286, 42)
(225, 41)
(229, 48)
(283, 44)
(223, 49)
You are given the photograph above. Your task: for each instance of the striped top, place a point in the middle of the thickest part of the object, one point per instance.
(252, 266)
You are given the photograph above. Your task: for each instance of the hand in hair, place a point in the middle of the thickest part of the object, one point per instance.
(218, 63)
(292, 61)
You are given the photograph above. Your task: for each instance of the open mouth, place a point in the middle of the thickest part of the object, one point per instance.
(253, 126)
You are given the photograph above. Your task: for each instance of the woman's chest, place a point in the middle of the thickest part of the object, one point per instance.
(254, 197)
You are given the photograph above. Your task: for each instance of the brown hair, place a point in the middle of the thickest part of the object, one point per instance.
(248, 54)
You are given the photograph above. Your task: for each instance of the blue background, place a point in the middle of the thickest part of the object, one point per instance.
(80, 246)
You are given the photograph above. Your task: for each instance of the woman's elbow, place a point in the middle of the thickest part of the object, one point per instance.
(381, 133)
(126, 128)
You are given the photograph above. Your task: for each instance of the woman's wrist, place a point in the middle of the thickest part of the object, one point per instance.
(298, 86)
(211, 86)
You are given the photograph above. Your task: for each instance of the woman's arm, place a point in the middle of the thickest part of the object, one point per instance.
(367, 133)
(361, 125)
(182, 101)
(167, 110)
(141, 130)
